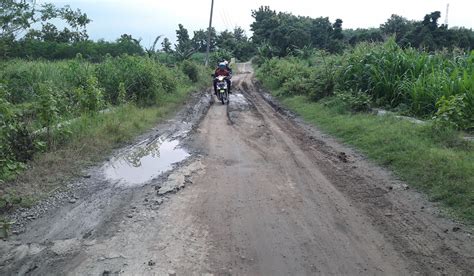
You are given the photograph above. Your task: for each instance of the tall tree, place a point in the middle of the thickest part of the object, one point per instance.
(20, 17)
(199, 40)
(166, 46)
(320, 32)
(184, 48)
(285, 33)
(226, 40)
(265, 21)
(398, 26)
(337, 30)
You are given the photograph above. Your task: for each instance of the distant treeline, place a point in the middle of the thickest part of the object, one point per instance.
(224, 44)
(30, 31)
(274, 34)
(281, 34)
(90, 50)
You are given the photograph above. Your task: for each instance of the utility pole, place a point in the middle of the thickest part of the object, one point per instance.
(209, 35)
(446, 16)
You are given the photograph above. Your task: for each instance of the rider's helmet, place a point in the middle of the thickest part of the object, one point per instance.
(222, 65)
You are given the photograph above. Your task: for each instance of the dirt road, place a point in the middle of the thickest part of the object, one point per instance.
(264, 194)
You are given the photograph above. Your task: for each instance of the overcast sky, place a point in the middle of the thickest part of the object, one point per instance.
(146, 19)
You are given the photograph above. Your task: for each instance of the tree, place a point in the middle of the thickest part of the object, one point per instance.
(199, 40)
(426, 33)
(152, 50)
(19, 16)
(235, 43)
(244, 48)
(286, 33)
(337, 30)
(166, 46)
(336, 44)
(15, 17)
(320, 32)
(265, 21)
(184, 49)
(239, 34)
(398, 26)
(127, 44)
(226, 40)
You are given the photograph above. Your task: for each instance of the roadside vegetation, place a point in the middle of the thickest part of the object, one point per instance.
(407, 81)
(340, 90)
(66, 101)
(59, 115)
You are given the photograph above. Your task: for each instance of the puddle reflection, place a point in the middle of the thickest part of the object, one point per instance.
(145, 162)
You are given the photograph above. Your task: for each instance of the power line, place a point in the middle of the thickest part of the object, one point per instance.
(224, 19)
(231, 23)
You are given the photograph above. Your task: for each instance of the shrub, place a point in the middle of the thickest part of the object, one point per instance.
(455, 111)
(16, 145)
(191, 70)
(90, 96)
(144, 79)
(122, 94)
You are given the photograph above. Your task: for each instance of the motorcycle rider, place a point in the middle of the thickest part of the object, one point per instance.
(222, 70)
(227, 66)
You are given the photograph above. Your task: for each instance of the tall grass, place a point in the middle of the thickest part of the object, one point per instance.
(406, 80)
(397, 77)
(37, 97)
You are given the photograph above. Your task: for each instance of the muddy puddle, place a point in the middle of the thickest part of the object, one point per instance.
(238, 101)
(144, 162)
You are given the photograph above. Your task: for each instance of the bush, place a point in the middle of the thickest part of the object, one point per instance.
(144, 79)
(16, 145)
(90, 96)
(191, 70)
(456, 112)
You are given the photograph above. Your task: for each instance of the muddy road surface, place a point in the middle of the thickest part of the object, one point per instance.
(243, 189)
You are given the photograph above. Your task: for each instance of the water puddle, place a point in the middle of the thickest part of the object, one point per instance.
(238, 101)
(144, 162)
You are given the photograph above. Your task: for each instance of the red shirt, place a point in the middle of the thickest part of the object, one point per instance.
(222, 72)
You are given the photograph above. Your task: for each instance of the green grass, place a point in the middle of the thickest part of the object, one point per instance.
(92, 138)
(406, 80)
(436, 162)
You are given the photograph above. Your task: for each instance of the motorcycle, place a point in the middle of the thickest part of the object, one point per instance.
(222, 89)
